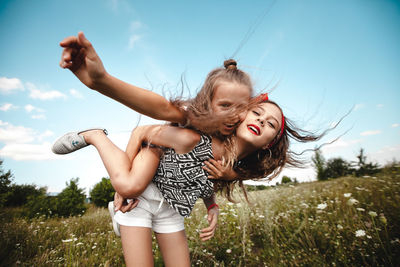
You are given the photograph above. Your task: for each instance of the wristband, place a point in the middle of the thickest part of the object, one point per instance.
(212, 206)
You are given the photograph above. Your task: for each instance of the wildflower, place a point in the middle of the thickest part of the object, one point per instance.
(360, 233)
(228, 250)
(66, 240)
(322, 206)
(383, 219)
(93, 247)
(347, 194)
(339, 227)
(360, 209)
(372, 214)
(304, 205)
(352, 201)
(261, 216)
(79, 244)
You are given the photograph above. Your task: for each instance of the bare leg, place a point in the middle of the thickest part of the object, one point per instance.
(174, 248)
(129, 176)
(137, 246)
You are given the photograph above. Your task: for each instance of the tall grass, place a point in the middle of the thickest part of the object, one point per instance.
(342, 222)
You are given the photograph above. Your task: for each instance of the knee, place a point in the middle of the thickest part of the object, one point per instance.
(131, 189)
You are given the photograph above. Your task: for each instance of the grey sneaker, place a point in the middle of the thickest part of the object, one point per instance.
(71, 142)
(111, 210)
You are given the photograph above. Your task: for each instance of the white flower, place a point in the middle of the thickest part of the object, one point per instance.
(347, 194)
(360, 209)
(372, 214)
(360, 233)
(66, 240)
(93, 247)
(228, 250)
(261, 216)
(322, 206)
(339, 227)
(352, 201)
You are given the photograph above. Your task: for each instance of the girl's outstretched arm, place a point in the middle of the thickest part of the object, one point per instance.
(81, 58)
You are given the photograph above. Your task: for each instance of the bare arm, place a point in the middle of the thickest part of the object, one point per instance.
(212, 218)
(81, 58)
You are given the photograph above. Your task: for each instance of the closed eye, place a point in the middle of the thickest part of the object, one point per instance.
(271, 125)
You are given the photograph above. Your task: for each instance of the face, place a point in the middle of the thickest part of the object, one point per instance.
(261, 125)
(226, 96)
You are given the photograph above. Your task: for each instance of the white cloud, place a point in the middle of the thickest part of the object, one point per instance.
(8, 85)
(29, 108)
(339, 144)
(373, 132)
(135, 25)
(38, 117)
(35, 93)
(22, 143)
(386, 154)
(15, 134)
(7, 107)
(358, 106)
(27, 151)
(75, 93)
(394, 125)
(379, 105)
(133, 39)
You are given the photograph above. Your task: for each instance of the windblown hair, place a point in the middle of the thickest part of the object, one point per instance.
(267, 163)
(199, 112)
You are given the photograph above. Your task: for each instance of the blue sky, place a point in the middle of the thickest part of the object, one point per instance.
(326, 57)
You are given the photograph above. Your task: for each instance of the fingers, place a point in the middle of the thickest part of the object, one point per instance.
(68, 57)
(82, 41)
(130, 206)
(70, 41)
(207, 234)
(210, 167)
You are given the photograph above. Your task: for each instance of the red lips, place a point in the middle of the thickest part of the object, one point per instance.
(254, 129)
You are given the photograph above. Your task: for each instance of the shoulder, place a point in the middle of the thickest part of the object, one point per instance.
(187, 139)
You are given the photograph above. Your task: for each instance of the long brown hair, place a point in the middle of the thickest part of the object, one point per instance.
(267, 163)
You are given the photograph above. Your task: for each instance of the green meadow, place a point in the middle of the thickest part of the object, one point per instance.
(342, 222)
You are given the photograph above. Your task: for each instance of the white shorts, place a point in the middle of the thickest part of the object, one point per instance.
(152, 212)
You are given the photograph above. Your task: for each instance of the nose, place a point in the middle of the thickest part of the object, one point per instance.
(261, 121)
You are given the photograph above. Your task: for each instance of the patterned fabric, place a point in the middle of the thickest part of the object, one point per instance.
(181, 178)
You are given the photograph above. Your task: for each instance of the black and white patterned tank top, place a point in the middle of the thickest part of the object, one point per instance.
(181, 178)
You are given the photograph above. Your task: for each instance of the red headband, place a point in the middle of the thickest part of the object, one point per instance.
(264, 98)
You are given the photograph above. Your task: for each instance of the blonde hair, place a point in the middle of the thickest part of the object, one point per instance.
(199, 112)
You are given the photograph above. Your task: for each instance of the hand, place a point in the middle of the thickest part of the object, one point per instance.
(208, 233)
(80, 57)
(123, 205)
(217, 171)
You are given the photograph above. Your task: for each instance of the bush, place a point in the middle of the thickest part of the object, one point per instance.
(41, 205)
(19, 194)
(102, 193)
(286, 179)
(337, 167)
(5, 181)
(71, 201)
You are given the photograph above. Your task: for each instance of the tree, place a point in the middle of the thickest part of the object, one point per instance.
(71, 201)
(5, 181)
(19, 194)
(319, 164)
(364, 168)
(286, 179)
(102, 193)
(337, 167)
